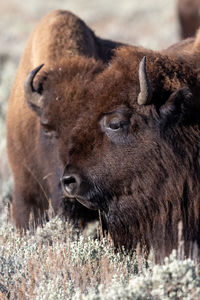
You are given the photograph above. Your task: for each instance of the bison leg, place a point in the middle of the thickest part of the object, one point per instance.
(20, 210)
(28, 197)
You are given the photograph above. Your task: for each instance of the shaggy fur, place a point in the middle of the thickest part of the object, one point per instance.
(138, 164)
(60, 41)
(189, 16)
(145, 176)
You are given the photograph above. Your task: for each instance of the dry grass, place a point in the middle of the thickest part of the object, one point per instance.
(57, 262)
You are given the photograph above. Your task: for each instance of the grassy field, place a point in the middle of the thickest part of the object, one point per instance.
(57, 262)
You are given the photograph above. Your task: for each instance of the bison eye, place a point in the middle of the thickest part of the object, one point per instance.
(117, 125)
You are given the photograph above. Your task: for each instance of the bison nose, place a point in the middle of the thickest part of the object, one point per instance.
(70, 184)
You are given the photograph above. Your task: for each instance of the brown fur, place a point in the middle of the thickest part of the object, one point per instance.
(186, 47)
(189, 16)
(144, 178)
(59, 39)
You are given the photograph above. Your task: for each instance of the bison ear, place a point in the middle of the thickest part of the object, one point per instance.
(177, 108)
(33, 97)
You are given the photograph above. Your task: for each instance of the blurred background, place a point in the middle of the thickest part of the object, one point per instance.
(150, 23)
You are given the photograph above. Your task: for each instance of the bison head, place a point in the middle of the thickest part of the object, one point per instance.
(114, 142)
(58, 97)
(130, 152)
(126, 142)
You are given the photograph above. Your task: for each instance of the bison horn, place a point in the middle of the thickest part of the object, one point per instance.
(32, 96)
(145, 94)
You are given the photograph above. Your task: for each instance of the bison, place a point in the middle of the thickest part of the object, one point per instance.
(72, 52)
(134, 152)
(189, 17)
(121, 138)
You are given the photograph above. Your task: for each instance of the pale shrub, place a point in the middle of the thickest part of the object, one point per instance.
(57, 262)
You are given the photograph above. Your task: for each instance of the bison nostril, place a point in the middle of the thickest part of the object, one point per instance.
(70, 184)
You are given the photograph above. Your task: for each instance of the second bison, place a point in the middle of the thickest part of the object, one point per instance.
(73, 56)
(189, 16)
